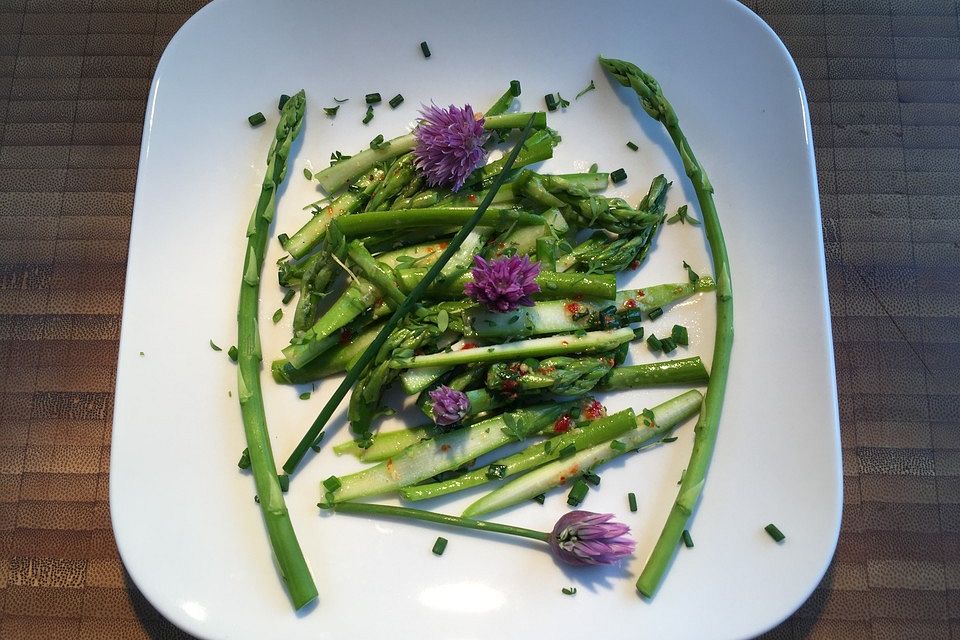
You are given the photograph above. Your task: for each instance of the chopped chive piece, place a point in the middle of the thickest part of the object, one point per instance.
(668, 345)
(567, 451)
(332, 483)
(654, 343)
(282, 101)
(515, 88)
(577, 493)
(244, 462)
(632, 501)
(439, 546)
(617, 445)
(687, 540)
(540, 498)
(214, 346)
(378, 142)
(680, 335)
(569, 591)
(277, 316)
(655, 313)
(592, 478)
(141, 354)
(496, 471)
(550, 101)
(396, 101)
(633, 146)
(638, 333)
(774, 532)
(669, 440)
(590, 87)
(618, 176)
(561, 102)
(316, 443)
(256, 119)
(372, 98)
(425, 48)
(256, 499)
(331, 111)
(288, 295)
(232, 353)
(305, 395)
(369, 115)
(284, 481)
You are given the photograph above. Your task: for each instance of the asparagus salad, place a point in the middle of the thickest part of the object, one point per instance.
(487, 291)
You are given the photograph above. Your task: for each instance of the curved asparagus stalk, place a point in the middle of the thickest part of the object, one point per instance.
(340, 349)
(532, 457)
(591, 341)
(666, 417)
(691, 488)
(337, 176)
(286, 549)
(552, 285)
(448, 451)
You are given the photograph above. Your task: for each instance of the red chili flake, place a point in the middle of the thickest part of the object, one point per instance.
(468, 345)
(630, 303)
(573, 308)
(445, 447)
(640, 293)
(594, 410)
(678, 290)
(472, 198)
(546, 369)
(508, 385)
(562, 424)
(346, 335)
(442, 245)
(563, 479)
(634, 264)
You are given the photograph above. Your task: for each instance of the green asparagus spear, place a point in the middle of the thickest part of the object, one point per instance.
(691, 487)
(286, 549)
(552, 285)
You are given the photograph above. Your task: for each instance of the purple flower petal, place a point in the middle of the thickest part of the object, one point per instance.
(449, 145)
(449, 405)
(585, 538)
(503, 284)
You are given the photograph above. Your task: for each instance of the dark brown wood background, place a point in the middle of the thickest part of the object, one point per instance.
(883, 80)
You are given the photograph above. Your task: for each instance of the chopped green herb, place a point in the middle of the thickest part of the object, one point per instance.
(654, 343)
(277, 316)
(669, 440)
(377, 142)
(439, 546)
(443, 320)
(655, 313)
(233, 353)
(680, 335)
(561, 102)
(331, 111)
(496, 471)
(577, 493)
(288, 295)
(617, 445)
(396, 101)
(587, 89)
(244, 462)
(282, 239)
(425, 48)
(594, 168)
(638, 333)
(567, 451)
(141, 354)
(618, 176)
(256, 119)
(540, 498)
(369, 115)
(632, 501)
(305, 395)
(214, 346)
(569, 591)
(592, 478)
(340, 100)
(372, 98)
(515, 88)
(316, 443)
(683, 217)
(282, 101)
(668, 345)
(633, 146)
(284, 481)
(694, 278)
(687, 540)
(550, 101)
(774, 532)
(332, 483)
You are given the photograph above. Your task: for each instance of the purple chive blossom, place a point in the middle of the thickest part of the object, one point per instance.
(503, 284)
(449, 145)
(584, 538)
(449, 405)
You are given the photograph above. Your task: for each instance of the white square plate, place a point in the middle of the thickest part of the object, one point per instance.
(184, 517)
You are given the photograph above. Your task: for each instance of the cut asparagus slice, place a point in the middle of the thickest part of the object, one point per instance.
(666, 417)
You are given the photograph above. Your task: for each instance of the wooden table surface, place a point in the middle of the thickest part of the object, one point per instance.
(883, 80)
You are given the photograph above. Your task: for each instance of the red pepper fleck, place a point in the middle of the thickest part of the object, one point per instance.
(442, 245)
(563, 479)
(346, 335)
(562, 424)
(445, 447)
(468, 345)
(634, 264)
(508, 385)
(472, 198)
(594, 410)
(573, 308)
(640, 293)
(630, 303)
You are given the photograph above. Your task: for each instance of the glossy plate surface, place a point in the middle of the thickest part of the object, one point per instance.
(184, 517)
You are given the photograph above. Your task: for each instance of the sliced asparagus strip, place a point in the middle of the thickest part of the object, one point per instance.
(339, 351)
(667, 416)
(374, 222)
(533, 456)
(448, 451)
(552, 285)
(531, 348)
(683, 371)
(387, 444)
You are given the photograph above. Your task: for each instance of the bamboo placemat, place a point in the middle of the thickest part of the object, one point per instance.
(883, 80)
